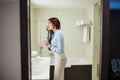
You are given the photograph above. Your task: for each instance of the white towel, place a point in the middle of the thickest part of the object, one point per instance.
(86, 35)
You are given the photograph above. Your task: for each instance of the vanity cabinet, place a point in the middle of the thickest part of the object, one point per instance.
(75, 72)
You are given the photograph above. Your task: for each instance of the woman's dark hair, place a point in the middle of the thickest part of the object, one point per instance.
(56, 23)
(50, 32)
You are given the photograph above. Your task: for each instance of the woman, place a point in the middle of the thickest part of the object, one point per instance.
(55, 43)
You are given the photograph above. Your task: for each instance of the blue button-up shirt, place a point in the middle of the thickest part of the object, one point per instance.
(57, 43)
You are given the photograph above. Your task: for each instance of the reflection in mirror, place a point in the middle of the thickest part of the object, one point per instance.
(80, 23)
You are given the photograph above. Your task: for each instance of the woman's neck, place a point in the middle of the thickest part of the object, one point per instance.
(54, 30)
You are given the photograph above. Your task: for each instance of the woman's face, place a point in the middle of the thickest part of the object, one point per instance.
(50, 26)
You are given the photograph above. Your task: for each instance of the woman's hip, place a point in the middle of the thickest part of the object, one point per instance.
(60, 57)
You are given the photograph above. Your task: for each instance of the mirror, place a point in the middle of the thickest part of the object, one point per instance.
(81, 26)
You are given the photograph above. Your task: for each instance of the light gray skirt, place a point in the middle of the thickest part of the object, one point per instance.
(60, 62)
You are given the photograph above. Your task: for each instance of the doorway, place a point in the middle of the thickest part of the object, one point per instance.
(26, 48)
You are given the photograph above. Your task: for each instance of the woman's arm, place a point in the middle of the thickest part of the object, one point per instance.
(59, 48)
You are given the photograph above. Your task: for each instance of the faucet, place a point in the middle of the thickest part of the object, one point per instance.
(41, 47)
(51, 53)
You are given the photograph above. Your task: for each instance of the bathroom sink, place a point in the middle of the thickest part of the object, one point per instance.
(40, 68)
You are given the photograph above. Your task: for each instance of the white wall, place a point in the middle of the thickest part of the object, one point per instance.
(74, 47)
(10, 58)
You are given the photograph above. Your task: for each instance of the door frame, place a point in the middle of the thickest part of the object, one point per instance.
(26, 39)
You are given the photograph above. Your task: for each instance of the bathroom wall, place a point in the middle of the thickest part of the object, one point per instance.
(10, 58)
(74, 47)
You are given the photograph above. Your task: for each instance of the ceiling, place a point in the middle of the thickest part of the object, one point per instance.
(60, 4)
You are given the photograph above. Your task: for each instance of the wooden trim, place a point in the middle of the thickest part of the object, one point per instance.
(25, 40)
(104, 57)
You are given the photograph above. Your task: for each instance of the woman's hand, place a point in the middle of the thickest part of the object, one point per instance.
(47, 28)
(46, 44)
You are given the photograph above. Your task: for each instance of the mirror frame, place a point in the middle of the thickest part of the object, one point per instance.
(26, 45)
